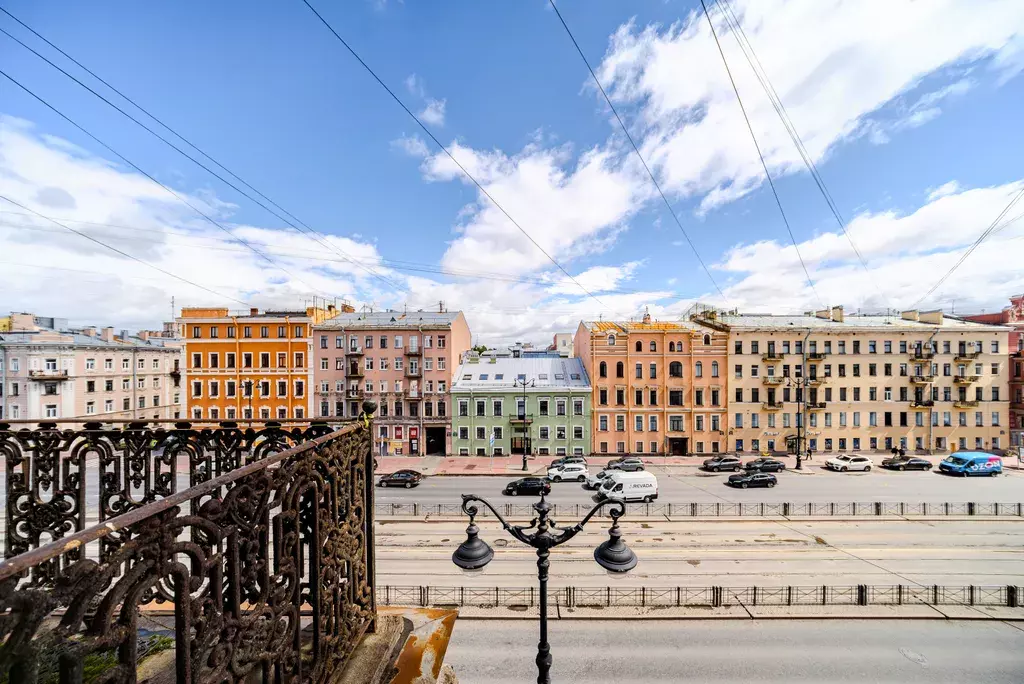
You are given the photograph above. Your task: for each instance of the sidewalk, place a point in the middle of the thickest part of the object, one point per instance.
(512, 466)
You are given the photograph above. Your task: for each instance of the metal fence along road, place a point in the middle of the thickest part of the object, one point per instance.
(724, 509)
(1009, 596)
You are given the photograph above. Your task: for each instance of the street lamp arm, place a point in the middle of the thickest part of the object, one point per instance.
(618, 511)
(473, 511)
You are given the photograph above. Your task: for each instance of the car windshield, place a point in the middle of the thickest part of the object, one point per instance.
(956, 460)
(844, 458)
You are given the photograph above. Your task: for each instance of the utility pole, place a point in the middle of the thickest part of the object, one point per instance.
(522, 417)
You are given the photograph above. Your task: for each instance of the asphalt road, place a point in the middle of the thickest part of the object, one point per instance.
(686, 485)
(736, 553)
(818, 652)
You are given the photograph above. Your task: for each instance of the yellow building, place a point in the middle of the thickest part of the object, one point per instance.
(917, 380)
(251, 365)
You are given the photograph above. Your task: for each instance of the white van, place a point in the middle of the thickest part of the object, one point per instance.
(639, 486)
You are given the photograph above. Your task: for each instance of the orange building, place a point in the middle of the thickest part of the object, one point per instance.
(658, 387)
(250, 365)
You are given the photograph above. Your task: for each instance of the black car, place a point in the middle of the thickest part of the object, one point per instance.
(723, 463)
(764, 465)
(400, 478)
(527, 485)
(907, 463)
(630, 464)
(752, 480)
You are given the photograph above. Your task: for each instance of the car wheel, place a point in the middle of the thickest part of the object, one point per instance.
(715, 469)
(903, 467)
(843, 469)
(867, 468)
(736, 469)
(383, 484)
(408, 485)
(647, 499)
(771, 484)
(514, 492)
(581, 479)
(640, 468)
(993, 474)
(556, 478)
(743, 485)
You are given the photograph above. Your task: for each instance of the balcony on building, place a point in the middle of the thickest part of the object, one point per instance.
(1017, 405)
(816, 356)
(816, 405)
(921, 403)
(965, 379)
(921, 354)
(354, 351)
(412, 393)
(964, 355)
(921, 379)
(772, 379)
(771, 405)
(415, 350)
(355, 370)
(965, 403)
(354, 392)
(816, 380)
(772, 357)
(48, 374)
(521, 418)
(413, 371)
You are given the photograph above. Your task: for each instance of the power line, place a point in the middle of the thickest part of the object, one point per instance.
(981, 238)
(150, 177)
(437, 142)
(760, 156)
(637, 150)
(125, 254)
(762, 76)
(314, 235)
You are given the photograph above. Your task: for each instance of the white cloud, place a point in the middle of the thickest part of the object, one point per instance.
(597, 279)
(433, 113)
(414, 84)
(412, 145)
(950, 188)
(833, 65)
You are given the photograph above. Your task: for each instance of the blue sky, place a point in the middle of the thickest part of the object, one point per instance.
(892, 106)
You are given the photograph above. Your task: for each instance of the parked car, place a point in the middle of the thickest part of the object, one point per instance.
(848, 462)
(719, 463)
(401, 478)
(629, 487)
(568, 471)
(966, 463)
(527, 486)
(907, 463)
(764, 465)
(596, 480)
(752, 479)
(563, 460)
(630, 464)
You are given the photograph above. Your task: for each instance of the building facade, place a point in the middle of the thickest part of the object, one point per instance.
(920, 380)
(403, 361)
(249, 365)
(1013, 318)
(658, 387)
(513, 403)
(51, 371)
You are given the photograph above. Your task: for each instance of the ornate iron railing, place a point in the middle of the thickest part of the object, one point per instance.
(264, 567)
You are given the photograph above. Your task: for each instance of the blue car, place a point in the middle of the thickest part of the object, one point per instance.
(966, 463)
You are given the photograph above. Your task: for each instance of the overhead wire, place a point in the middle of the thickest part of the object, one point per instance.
(444, 149)
(154, 180)
(760, 155)
(736, 28)
(287, 217)
(640, 156)
(126, 254)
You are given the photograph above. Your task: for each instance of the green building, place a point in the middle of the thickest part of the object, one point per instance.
(507, 402)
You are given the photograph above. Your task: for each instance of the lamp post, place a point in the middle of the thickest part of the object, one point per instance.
(800, 384)
(613, 555)
(522, 416)
(248, 393)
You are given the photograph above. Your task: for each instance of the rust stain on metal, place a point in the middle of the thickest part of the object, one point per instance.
(425, 650)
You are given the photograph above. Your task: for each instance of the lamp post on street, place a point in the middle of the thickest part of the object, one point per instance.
(613, 555)
(522, 382)
(800, 384)
(248, 393)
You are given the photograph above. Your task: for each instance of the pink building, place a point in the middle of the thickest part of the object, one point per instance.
(1012, 317)
(403, 361)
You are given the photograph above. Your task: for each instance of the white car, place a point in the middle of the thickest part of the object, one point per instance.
(844, 463)
(595, 481)
(569, 471)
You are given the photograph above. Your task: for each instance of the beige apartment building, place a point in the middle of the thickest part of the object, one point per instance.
(921, 381)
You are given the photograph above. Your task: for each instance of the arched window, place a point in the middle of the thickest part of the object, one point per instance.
(611, 340)
(714, 369)
(671, 346)
(698, 370)
(639, 346)
(620, 370)
(654, 346)
(707, 340)
(675, 369)
(603, 372)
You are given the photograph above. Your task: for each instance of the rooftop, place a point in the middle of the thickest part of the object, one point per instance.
(77, 339)
(849, 322)
(501, 372)
(391, 319)
(640, 326)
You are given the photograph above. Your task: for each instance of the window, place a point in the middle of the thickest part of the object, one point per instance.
(602, 370)
(481, 407)
(652, 423)
(544, 432)
(654, 346)
(620, 370)
(675, 369)
(995, 346)
(995, 418)
(698, 423)
(264, 331)
(560, 432)
(264, 359)
(698, 370)
(638, 423)
(675, 398)
(639, 346)
(639, 371)
(620, 423)
(611, 340)
(714, 369)
(602, 423)
(197, 388)
(707, 340)
(738, 420)
(195, 332)
(247, 359)
(197, 360)
(300, 360)
(675, 423)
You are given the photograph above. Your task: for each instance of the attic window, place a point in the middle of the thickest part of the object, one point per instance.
(483, 376)
(574, 376)
(499, 376)
(521, 376)
(559, 376)
(467, 376)
(542, 376)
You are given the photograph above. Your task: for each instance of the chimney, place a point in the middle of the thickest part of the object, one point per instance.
(124, 335)
(823, 313)
(90, 331)
(254, 311)
(837, 313)
(647, 315)
(933, 317)
(108, 334)
(910, 315)
(144, 335)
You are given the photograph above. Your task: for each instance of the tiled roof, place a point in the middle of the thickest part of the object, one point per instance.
(47, 338)
(390, 319)
(636, 326)
(500, 373)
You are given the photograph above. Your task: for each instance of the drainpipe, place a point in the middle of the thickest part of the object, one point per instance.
(135, 383)
(931, 412)
(803, 401)
(3, 382)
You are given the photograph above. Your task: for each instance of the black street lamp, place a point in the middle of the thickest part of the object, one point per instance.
(522, 416)
(613, 555)
(801, 385)
(248, 393)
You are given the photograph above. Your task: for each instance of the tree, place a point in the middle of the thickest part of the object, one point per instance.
(480, 348)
